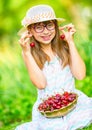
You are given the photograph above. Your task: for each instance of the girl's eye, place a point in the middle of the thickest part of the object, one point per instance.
(39, 27)
(50, 25)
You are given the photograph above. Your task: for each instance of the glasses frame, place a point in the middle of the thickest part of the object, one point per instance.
(44, 25)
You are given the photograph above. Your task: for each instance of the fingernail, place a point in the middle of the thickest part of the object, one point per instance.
(69, 28)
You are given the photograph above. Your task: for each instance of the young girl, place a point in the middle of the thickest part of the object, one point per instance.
(53, 62)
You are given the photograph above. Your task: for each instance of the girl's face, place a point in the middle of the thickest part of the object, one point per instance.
(43, 32)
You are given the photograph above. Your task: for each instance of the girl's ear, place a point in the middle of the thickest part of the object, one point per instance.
(30, 33)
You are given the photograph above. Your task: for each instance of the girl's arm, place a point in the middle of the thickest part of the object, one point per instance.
(35, 73)
(77, 65)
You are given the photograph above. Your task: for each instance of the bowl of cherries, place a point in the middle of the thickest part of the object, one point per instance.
(58, 105)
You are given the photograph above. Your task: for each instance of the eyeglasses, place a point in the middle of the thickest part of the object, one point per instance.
(39, 28)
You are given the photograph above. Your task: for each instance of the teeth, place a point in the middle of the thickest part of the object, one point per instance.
(45, 37)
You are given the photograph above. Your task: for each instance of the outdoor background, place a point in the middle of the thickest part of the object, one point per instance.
(17, 94)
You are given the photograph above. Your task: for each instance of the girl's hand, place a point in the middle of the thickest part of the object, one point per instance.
(68, 31)
(24, 42)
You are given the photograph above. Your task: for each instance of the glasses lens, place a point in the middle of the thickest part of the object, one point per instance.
(39, 28)
(50, 26)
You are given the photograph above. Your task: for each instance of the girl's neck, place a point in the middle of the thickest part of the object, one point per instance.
(46, 47)
(48, 50)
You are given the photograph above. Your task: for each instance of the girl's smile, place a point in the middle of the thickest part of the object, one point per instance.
(46, 37)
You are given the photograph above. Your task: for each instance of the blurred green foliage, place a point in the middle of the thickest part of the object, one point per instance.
(17, 93)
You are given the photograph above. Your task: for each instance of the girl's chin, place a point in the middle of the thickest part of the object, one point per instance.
(46, 43)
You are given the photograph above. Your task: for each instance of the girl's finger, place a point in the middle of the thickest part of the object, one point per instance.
(61, 28)
(21, 40)
(26, 41)
(73, 30)
(68, 27)
(26, 35)
(63, 31)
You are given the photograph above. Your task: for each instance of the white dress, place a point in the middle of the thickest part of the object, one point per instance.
(59, 79)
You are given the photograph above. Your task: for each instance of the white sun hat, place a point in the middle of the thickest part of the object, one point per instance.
(39, 13)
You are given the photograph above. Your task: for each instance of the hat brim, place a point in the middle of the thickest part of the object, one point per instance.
(24, 29)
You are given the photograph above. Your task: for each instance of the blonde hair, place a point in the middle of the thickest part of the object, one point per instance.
(58, 46)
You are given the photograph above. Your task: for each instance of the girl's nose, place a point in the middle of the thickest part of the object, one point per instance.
(46, 31)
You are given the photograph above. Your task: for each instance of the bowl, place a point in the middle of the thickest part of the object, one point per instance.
(46, 106)
(60, 112)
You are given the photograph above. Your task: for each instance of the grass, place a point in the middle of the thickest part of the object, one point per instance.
(87, 128)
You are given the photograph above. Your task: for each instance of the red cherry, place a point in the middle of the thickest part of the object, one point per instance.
(70, 99)
(58, 96)
(65, 102)
(62, 97)
(66, 94)
(32, 44)
(44, 106)
(73, 95)
(54, 105)
(59, 103)
(62, 36)
(58, 106)
(50, 98)
(56, 101)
